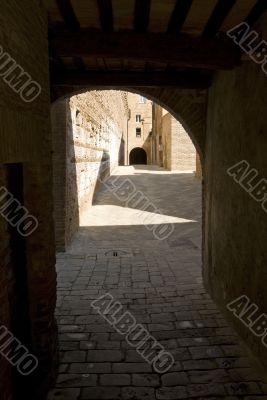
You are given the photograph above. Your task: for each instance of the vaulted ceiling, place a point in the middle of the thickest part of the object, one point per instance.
(177, 43)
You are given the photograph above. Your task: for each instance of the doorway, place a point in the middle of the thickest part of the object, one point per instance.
(138, 156)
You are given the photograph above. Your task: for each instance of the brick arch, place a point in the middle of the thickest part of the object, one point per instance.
(188, 106)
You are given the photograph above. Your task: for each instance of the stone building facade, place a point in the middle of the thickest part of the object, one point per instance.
(138, 135)
(172, 146)
(88, 144)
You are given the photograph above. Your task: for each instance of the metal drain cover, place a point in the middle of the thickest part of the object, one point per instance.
(116, 253)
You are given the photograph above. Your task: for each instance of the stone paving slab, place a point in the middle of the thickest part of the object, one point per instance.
(160, 283)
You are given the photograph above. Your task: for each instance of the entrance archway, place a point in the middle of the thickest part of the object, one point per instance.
(138, 156)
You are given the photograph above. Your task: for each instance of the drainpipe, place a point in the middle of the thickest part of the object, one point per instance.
(127, 151)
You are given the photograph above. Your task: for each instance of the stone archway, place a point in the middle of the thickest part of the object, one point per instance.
(138, 156)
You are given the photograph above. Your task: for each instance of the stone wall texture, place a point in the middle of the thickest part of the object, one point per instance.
(25, 136)
(93, 125)
(198, 173)
(59, 127)
(235, 250)
(189, 106)
(183, 155)
(157, 156)
(167, 141)
(172, 145)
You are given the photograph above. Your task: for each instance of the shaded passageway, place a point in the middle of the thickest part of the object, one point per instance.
(160, 283)
(189, 57)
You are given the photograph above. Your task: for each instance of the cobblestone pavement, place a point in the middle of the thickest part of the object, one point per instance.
(160, 283)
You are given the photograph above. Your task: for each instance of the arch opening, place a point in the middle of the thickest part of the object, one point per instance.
(137, 130)
(138, 156)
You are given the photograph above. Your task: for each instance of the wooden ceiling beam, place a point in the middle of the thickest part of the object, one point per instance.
(73, 25)
(56, 65)
(188, 52)
(259, 8)
(141, 15)
(106, 15)
(79, 63)
(185, 79)
(179, 15)
(68, 14)
(220, 12)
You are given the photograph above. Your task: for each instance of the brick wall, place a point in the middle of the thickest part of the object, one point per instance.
(235, 224)
(59, 124)
(176, 150)
(88, 134)
(167, 142)
(156, 132)
(189, 106)
(198, 173)
(186, 105)
(26, 139)
(183, 152)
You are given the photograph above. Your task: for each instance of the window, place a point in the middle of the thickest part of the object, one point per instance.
(78, 118)
(138, 132)
(138, 118)
(142, 99)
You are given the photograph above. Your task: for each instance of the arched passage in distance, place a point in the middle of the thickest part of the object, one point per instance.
(138, 156)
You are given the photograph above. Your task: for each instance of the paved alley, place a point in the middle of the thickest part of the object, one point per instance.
(160, 283)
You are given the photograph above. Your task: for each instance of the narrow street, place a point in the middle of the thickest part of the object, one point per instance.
(160, 283)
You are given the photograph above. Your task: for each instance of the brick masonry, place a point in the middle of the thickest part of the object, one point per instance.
(26, 138)
(235, 224)
(183, 152)
(187, 105)
(167, 142)
(198, 167)
(59, 122)
(173, 149)
(88, 133)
